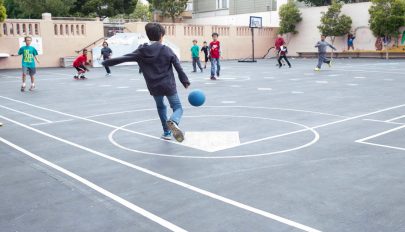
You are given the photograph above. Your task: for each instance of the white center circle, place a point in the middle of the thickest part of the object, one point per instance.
(304, 129)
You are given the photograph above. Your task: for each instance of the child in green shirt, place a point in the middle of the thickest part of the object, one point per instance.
(195, 54)
(29, 55)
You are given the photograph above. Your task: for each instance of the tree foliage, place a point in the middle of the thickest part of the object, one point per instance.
(142, 12)
(320, 2)
(108, 8)
(169, 8)
(333, 24)
(3, 14)
(290, 16)
(386, 17)
(35, 8)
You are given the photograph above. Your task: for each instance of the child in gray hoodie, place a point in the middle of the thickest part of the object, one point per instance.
(322, 46)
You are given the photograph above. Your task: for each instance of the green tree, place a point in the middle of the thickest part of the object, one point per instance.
(169, 8)
(3, 12)
(35, 8)
(107, 8)
(386, 17)
(290, 16)
(142, 12)
(320, 2)
(333, 24)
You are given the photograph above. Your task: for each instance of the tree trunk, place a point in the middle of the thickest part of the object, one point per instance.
(386, 48)
(332, 38)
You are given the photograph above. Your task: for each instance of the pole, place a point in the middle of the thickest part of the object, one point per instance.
(253, 45)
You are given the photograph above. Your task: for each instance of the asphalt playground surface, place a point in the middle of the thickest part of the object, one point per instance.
(271, 150)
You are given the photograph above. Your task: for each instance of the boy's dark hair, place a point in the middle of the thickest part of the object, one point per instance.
(215, 34)
(194, 40)
(85, 50)
(27, 37)
(105, 42)
(154, 31)
(205, 42)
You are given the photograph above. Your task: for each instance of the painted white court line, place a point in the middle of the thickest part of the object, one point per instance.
(142, 90)
(210, 83)
(235, 86)
(321, 82)
(396, 118)
(297, 92)
(380, 134)
(382, 145)
(53, 122)
(359, 77)
(174, 181)
(295, 79)
(97, 188)
(264, 89)
(352, 84)
(334, 75)
(26, 114)
(104, 85)
(228, 102)
(119, 112)
(123, 87)
(370, 71)
(394, 123)
(270, 78)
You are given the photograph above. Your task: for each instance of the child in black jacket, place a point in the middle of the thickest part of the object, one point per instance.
(156, 62)
(283, 55)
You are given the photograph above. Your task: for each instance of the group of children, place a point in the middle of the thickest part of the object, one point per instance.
(211, 53)
(156, 62)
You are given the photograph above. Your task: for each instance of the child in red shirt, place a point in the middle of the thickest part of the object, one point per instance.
(79, 65)
(215, 54)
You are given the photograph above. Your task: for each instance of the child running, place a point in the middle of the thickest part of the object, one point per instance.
(215, 54)
(350, 41)
(322, 46)
(195, 55)
(205, 49)
(283, 55)
(79, 65)
(106, 53)
(28, 53)
(156, 62)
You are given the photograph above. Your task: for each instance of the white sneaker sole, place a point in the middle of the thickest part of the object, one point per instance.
(177, 133)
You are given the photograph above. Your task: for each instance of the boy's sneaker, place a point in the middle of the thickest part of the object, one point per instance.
(330, 64)
(213, 78)
(108, 74)
(167, 135)
(1, 124)
(317, 69)
(32, 87)
(177, 133)
(202, 70)
(82, 77)
(22, 88)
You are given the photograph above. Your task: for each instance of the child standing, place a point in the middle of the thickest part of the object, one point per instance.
(195, 55)
(283, 55)
(350, 41)
(205, 49)
(28, 53)
(79, 65)
(278, 43)
(106, 53)
(156, 62)
(322, 46)
(215, 54)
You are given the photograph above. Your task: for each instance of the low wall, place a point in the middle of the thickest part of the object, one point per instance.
(235, 40)
(60, 38)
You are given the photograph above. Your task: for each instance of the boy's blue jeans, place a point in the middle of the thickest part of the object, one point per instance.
(175, 104)
(215, 67)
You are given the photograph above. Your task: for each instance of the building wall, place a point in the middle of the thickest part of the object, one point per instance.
(253, 6)
(235, 40)
(309, 34)
(57, 42)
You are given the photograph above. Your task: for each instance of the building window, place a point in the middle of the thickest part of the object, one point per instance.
(222, 4)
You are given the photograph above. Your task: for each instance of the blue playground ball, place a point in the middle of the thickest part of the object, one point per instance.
(196, 97)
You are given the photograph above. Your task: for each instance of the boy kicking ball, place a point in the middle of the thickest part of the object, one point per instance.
(79, 65)
(29, 56)
(156, 62)
(322, 46)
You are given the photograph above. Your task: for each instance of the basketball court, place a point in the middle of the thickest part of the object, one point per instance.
(270, 150)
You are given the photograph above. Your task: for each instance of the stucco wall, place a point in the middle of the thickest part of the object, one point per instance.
(309, 34)
(57, 43)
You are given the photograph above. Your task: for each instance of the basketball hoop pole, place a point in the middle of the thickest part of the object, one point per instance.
(253, 45)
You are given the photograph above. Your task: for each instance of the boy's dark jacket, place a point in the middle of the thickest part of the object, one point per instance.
(156, 62)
